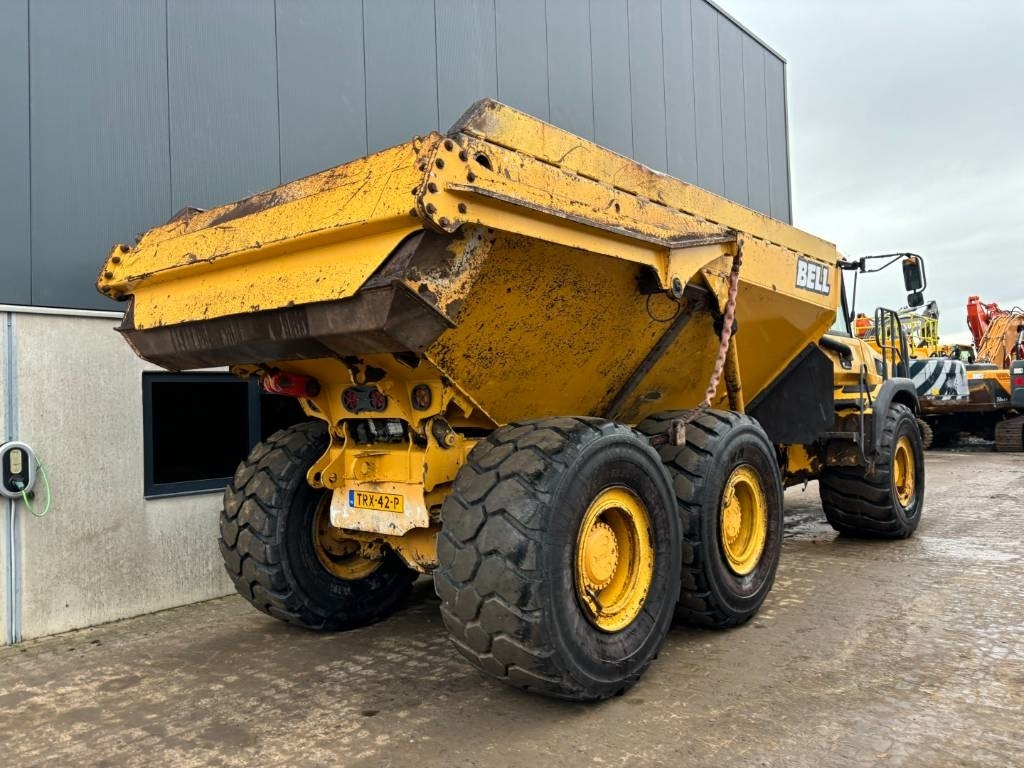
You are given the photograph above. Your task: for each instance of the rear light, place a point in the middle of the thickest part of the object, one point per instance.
(362, 399)
(421, 397)
(1018, 381)
(290, 384)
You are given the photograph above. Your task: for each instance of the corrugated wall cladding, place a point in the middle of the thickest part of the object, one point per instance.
(114, 114)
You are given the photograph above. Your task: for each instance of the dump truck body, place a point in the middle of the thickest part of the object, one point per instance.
(475, 322)
(574, 228)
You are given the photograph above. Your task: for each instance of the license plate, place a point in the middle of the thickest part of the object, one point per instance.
(378, 502)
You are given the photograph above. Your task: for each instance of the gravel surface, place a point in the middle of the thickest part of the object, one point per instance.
(866, 653)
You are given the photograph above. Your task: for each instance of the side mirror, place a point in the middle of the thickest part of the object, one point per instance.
(913, 275)
(915, 299)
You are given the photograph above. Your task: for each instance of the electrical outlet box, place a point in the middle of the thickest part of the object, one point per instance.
(17, 469)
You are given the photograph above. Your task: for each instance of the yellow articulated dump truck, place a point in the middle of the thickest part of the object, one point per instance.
(570, 388)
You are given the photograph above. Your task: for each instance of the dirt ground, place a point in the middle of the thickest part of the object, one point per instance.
(905, 653)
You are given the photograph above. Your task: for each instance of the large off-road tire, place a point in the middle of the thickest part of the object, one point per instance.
(269, 542)
(729, 490)
(559, 557)
(882, 500)
(927, 434)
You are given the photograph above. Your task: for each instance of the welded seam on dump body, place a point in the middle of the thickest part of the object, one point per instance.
(12, 565)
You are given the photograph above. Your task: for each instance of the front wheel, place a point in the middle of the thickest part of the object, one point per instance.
(882, 500)
(559, 557)
(729, 490)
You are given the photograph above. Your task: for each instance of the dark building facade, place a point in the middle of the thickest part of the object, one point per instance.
(117, 113)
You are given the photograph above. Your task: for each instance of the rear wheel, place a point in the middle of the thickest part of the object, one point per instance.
(283, 555)
(884, 500)
(729, 491)
(558, 557)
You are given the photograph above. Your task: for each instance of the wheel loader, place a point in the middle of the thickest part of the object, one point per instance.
(947, 401)
(569, 388)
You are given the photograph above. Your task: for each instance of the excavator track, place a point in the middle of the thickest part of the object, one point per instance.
(1010, 435)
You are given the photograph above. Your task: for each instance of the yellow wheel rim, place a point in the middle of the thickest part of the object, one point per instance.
(903, 477)
(337, 553)
(743, 521)
(614, 559)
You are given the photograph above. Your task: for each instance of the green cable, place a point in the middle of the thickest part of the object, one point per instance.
(49, 496)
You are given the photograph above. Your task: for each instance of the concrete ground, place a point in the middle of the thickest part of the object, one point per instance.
(905, 653)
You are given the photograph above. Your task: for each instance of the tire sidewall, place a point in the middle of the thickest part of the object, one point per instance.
(596, 658)
(741, 594)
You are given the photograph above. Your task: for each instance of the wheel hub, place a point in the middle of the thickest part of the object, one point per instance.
(903, 477)
(342, 556)
(743, 520)
(733, 521)
(600, 555)
(614, 559)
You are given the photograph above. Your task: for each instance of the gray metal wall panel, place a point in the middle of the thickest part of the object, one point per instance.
(613, 126)
(100, 168)
(467, 57)
(756, 120)
(570, 88)
(401, 71)
(734, 129)
(778, 139)
(707, 97)
(523, 55)
(647, 82)
(680, 123)
(139, 108)
(222, 73)
(321, 84)
(15, 263)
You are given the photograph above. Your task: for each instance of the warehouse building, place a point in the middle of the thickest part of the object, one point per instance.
(116, 114)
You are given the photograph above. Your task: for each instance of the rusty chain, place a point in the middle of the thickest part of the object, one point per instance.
(677, 429)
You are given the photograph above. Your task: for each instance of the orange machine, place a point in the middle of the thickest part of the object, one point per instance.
(998, 333)
(999, 341)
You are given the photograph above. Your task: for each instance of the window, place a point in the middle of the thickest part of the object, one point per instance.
(198, 426)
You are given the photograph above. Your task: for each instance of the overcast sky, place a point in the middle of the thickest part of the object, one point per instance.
(906, 133)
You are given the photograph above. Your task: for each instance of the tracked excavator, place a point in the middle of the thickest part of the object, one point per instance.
(996, 377)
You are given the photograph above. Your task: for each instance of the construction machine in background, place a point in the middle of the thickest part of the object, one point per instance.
(963, 391)
(568, 387)
(999, 343)
(940, 379)
(998, 333)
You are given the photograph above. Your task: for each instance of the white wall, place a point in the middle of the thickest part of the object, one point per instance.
(4, 544)
(103, 552)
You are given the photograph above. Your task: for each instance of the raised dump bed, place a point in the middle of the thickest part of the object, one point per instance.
(475, 322)
(515, 257)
